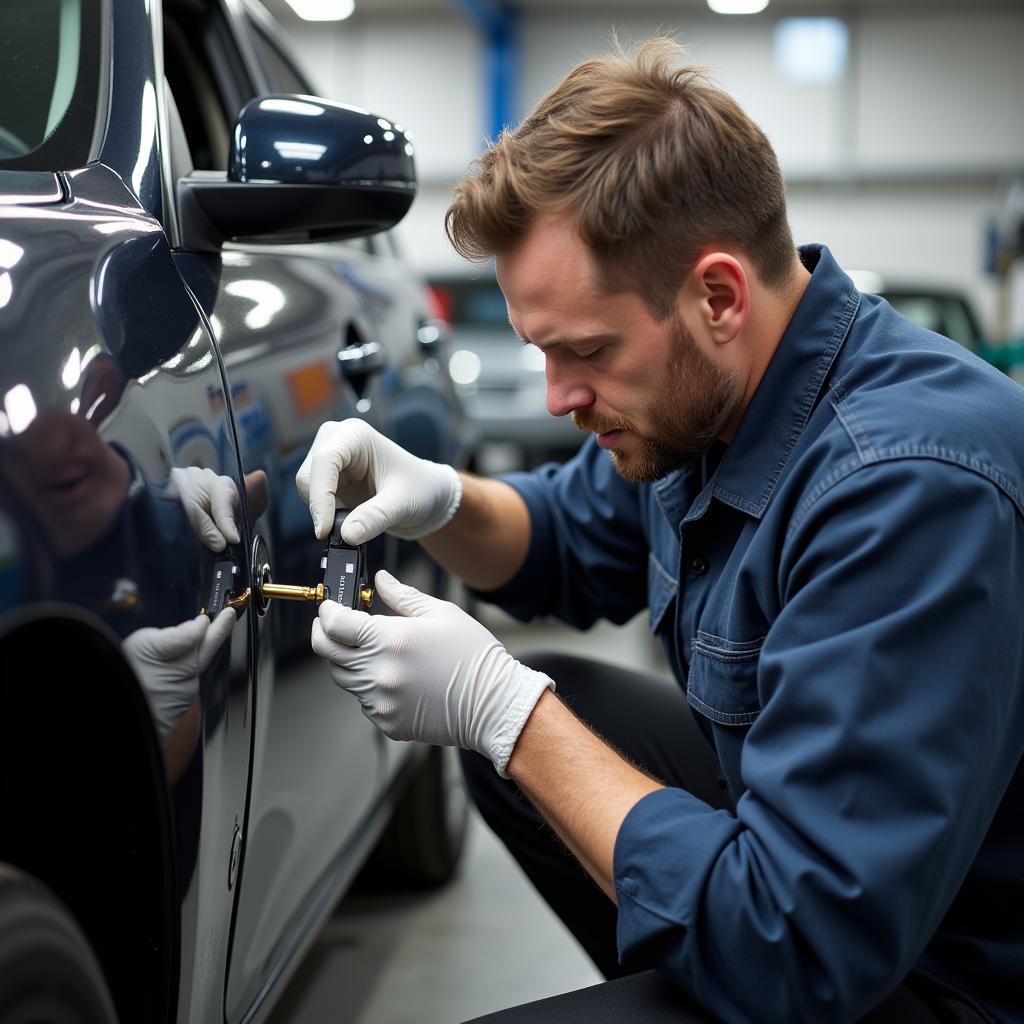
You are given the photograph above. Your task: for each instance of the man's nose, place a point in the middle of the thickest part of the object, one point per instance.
(565, 391)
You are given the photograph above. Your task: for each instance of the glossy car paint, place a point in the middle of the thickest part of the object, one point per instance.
(125, 358)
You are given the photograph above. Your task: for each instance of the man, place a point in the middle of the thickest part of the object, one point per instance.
(822, 507)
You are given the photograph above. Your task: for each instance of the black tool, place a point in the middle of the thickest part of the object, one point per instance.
(344, 566)
(225, 575)
(345, 576)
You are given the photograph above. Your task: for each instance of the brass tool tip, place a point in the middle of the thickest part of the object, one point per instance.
(289, 593)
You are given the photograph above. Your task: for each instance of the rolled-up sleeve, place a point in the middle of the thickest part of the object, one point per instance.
(892, 722)
(588, 551)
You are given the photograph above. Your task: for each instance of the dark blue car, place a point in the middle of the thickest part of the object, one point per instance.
(195, 273)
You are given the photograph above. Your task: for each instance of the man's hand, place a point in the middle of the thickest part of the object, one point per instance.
(430, 673)
(169, 662)
(209, 501)
(388, 489)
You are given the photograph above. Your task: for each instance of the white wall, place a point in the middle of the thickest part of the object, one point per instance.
(897, 168)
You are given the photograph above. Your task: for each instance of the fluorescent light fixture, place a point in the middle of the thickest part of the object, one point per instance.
(737, 6)
(812, 50)
(322, 10)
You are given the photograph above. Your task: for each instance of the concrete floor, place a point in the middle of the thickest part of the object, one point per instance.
(484, 942)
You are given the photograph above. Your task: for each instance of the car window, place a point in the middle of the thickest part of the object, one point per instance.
(49, 82)
(944, 314)
(476, 301)
(204, 73)
(283, 75)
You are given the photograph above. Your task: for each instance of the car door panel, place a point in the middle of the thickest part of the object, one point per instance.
(114, 401)
(280, 321)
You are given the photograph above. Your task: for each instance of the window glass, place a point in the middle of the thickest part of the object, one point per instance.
(196, 97)
(943, 314)
(49, 82)
(477, 301)
(283, 76)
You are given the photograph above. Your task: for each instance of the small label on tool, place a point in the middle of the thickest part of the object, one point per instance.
(220, 587)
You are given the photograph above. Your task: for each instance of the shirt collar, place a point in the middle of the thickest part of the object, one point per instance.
(789, 390)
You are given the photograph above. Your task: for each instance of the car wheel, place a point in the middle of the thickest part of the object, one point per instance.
(422, 844)
(48, 972)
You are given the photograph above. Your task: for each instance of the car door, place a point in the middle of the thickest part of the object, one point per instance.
(115, 434)
(282, 316)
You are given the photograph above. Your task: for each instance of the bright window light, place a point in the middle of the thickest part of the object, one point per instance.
(322, 10)
(737, 6)
(812, 50)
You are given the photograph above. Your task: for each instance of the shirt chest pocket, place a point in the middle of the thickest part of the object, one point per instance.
(722, 681)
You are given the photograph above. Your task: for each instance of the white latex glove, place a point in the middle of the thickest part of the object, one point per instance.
(431, 673)
(388, 489)
(169, 662)
(209, 501)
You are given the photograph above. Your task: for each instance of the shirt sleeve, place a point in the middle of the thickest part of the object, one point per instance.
(588, 550)
(892, 722)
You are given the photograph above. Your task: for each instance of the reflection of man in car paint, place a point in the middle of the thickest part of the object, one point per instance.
(98, 535)
(820, 505)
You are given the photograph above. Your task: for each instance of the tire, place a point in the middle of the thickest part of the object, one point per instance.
(48, 972)
(422, 844)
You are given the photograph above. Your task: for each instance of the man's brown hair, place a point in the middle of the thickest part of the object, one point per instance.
(650, 160)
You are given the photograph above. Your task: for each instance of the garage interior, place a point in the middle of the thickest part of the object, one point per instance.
(900, 130)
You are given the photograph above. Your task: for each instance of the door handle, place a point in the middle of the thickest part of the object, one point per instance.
(361, 360)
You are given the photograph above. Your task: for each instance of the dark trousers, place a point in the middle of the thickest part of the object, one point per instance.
(660, 734)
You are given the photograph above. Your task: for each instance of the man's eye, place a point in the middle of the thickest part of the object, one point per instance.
(589, 357)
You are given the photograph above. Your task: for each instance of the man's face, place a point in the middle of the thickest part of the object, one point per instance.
(646, 389)
(69, 478)
(689, 405)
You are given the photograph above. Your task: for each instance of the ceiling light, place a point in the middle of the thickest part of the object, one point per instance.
(322, 10)
(812, 50)
(737, 6)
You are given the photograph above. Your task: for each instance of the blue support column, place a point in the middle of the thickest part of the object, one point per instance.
(498, 24)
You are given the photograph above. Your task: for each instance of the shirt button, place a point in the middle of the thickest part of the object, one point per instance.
(698, 565)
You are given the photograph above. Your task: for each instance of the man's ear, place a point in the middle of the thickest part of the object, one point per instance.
(722, 292)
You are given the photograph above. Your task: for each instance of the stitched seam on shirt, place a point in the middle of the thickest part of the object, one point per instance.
(810, 396)
(745, 504)
(855, 429)
(739, 718)
(725, 657)
(710, 639)
(665, 575)
(838, 388)
(895, 454)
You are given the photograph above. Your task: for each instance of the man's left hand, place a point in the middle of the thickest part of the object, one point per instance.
(430, 673)
(209, 501)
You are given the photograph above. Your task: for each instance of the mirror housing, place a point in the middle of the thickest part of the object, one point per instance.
(300, 169)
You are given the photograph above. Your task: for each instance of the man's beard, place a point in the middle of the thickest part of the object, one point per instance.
(687, 413)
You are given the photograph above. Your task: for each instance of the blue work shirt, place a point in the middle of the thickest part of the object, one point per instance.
(840, 593)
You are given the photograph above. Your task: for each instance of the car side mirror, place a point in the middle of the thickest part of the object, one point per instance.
(300, 169)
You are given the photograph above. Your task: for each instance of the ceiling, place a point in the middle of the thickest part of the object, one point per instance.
(368, 8)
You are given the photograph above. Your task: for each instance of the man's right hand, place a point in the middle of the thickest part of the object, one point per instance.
(388, 490)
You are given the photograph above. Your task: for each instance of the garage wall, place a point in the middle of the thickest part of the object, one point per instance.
(898, 167)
